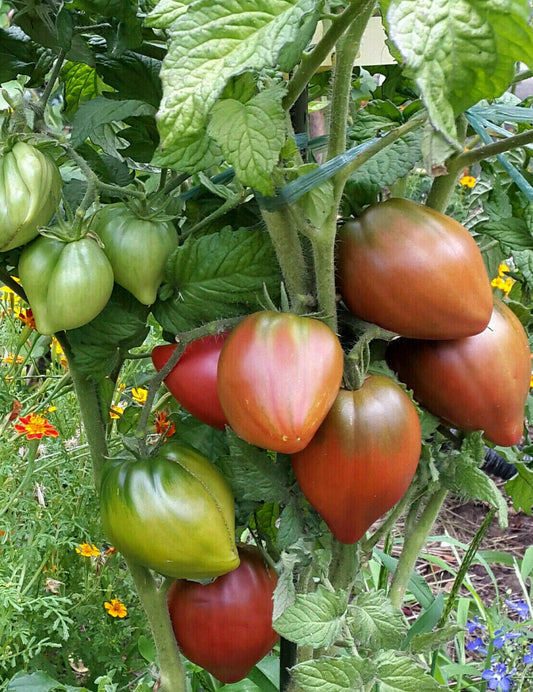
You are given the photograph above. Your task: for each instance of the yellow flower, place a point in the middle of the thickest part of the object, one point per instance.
(88, 550)
(116, 412)
(115, 608)
(10, 357)
(503, 282)
(57, 353)
(467, 181)
(139, 394)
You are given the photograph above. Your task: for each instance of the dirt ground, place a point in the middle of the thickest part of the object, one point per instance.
(461, 522)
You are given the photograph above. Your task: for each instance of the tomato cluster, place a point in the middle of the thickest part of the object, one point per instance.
(276, 380)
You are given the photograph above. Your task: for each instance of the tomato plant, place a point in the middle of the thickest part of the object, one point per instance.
(67, 283)
(226, 626)
(137, 248)
(278, 375)
(363, 457)
(479, 382)
(172, 512)
(424, 274)
(30, 190)
(193, 380)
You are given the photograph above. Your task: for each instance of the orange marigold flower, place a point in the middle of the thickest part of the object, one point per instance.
(116, 411)
(26, 315)
(10, 358)
(35, 427)
(139, 394)
(115, 608)
(88, 550)
(467, 181)
(162, 425)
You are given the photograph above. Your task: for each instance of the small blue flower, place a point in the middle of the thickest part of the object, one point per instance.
(520, 606)
(498, 677)
(476, 645)
(528, 658)
(502, 637)
(473, 625)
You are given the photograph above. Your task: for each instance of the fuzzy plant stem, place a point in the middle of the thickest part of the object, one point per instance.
(413, 545)
(153, 599)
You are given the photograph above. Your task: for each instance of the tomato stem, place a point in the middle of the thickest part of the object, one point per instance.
(345, 53)
(289, 252)
(413, 545)
(154, 602)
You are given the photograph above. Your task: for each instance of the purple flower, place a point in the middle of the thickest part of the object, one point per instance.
(528, 658)
(520, 606)
(476, 645)
(473, 625)
(498, 677)
(502, 637)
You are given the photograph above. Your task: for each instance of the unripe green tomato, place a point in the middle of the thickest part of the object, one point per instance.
(67, 283)
(137, 248)
(173, 513)
(30, 190)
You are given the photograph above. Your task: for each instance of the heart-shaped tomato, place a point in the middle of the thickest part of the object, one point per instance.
(415, 271)
(226, 626)
(278, 376)
(480, 382)
(362, 458)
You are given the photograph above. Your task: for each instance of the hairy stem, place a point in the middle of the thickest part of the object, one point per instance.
(311, 62)
(346, 52)
(413, 545)
(289, 252)
(154, 602)
(91, 412)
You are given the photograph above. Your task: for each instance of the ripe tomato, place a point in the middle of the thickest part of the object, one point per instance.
(362, 458)
(226, 626)
(193, 380)
(172, 512)
(278, 375)
(480, 382)
(414, 271)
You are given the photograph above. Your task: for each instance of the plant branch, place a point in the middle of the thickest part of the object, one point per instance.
(312, 61)
(49, 86)
(413, 545)
(346, 52)
(91, 412)
(153, 600)
(443, 185)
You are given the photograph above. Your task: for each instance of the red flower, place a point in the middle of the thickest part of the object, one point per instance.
(35, 427)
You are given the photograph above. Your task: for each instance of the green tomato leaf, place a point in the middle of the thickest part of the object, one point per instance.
(285, 591)
(383, 169)
(342, 674)
(251, 136)
(459, 51)
(374, 622)
(212, 42)
(165, 13)
(520, 489)
(402, 674)
(121, 325)
(252, 473)
(512, 232)
(315, 619)
(132, 76)
(100, 111)
(463, 477)
(82, 84)
(39, 682)
(218, 275)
